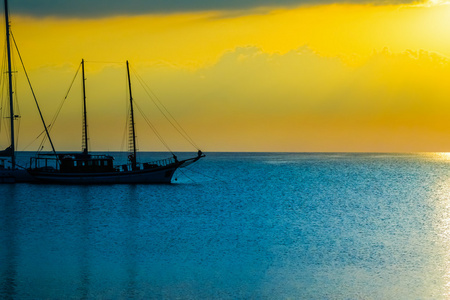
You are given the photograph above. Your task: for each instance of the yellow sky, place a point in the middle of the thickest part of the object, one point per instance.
(312, 78)
(197, 39)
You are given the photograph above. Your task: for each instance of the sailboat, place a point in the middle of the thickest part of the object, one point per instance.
(85, 167)
(11, 173)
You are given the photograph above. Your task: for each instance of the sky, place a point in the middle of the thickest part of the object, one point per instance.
(283, 76)
(89, 8)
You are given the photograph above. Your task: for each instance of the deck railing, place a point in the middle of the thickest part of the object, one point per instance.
(44, 162)
(147, 165)
(53, 163)
(156, 163)
(162, 162)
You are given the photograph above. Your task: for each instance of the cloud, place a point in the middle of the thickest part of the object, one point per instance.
(302, 101)
(251, 100)
(302, 82)
(92, 8)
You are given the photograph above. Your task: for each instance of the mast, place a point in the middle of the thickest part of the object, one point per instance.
(133, 158)
(85, 134)
(10, 88)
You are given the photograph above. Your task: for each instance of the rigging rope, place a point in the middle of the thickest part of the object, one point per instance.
(171, 120)
(207, 176)
(3, 100)
(34, 95)
(103, 62)
(40, 146)
(163, 110)
(52, 122)
(153, 128)
(186, 176)
(16, 102)
(124, 137)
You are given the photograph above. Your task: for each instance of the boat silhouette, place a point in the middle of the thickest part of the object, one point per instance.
(82, 167)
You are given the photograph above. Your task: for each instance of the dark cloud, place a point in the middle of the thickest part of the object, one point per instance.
(90, 8)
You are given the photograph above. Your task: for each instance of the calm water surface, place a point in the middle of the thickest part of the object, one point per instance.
(268, 226)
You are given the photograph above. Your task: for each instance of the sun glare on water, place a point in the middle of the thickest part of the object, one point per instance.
(437, 156)
(443, 156)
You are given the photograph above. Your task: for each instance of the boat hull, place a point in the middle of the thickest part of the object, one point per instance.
(15, 176)
(156, 175)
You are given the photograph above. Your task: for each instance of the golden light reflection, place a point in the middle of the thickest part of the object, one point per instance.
(442, 156)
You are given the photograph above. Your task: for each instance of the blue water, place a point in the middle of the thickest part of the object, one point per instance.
(237, 226)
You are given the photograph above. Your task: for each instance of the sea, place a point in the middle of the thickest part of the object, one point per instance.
(237, 226)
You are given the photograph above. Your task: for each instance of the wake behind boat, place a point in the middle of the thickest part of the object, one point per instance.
(84, 167)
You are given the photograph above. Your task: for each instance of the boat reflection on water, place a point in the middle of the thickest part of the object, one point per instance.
(9, 247)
